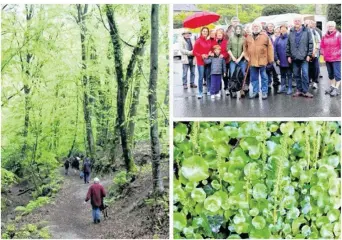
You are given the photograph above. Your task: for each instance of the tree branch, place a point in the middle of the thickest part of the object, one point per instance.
(13, 95)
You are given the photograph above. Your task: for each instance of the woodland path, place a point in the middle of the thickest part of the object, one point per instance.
(68, 216)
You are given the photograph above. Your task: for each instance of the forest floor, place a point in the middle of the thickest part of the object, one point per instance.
(130, 216)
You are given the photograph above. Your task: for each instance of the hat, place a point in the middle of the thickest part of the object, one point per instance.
(185, 31)
(235, 19)
(96, 180)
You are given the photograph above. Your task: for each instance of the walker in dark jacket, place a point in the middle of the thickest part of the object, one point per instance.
(299, 48)
(285, 68)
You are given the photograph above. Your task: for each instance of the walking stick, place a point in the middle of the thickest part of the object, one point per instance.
(242, 92)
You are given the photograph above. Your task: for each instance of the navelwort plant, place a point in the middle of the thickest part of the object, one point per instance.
(257, 180)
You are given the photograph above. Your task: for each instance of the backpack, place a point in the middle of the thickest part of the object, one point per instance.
(236, 80)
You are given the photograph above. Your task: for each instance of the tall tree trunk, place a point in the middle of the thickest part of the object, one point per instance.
(127, 154)
(27, 89)
(85, 80)
(76, 125)
(158, 187)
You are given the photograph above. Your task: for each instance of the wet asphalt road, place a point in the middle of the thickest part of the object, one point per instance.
(186, 103)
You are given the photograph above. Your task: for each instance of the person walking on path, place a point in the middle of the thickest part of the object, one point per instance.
(299, 51)
(331, 50)
(280, 58)
(66, 166)
(218, 69)
(75, 164)
(201, 51)
(258, 51)
(188, 60)
(86, 170)
(95, 194)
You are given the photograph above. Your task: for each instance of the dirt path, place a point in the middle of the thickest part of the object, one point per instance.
(69, 217)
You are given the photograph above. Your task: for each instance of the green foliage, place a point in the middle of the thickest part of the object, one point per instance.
(32, 205)
(275, 9)
(7, 178)
(334, 14)
(257, 180)
(44, 233)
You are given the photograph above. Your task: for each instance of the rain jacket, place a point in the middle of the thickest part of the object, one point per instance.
(280, 50)
(236, 45)
(202, 46)
(185, 52)
(303, 49)
(218, 65)
(259, 50)
(331, 47)
(223, 44)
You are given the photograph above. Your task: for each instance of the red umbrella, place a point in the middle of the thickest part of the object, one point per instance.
(200, 19)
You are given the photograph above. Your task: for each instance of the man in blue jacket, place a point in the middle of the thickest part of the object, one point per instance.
(299, 50)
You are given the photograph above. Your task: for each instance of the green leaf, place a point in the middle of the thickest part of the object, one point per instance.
(259, 191)
(198, 195)
(179, 221)
(180, 132)
(259, 222)
(195, 169)
(212, 203)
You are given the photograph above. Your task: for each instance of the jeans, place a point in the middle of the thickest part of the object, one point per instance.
(254, 75)
(186, 67)
(86, 177)
(314, 70)
(300, 72)
(96, 213)
(207, 76)
(334, 70)
(286, 73)
(242, 64)
(200, 79)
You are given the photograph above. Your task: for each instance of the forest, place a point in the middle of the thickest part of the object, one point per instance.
(86, 80)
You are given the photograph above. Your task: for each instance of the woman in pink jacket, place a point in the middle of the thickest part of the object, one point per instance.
(331, 50)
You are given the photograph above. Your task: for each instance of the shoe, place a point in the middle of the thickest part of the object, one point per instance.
(199, 96)
(98, 220)
(218, 95)
(95, 221)
(282, 89)
(307, 95)
(297, 94)
(264, 96)
(254, 95)
(329, 90)
(227, 92)
(234, 95)
(314, 86)
(185, 86)
(193, 85)
(204, 83)
(334, 92)
(212, 96)
(289, 91)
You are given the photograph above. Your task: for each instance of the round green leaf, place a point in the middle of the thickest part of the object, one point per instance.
(180, 132)
(259, 191)
(198, 195)
(179, 221)
(195, 169)
(259, 222)
(212, 203)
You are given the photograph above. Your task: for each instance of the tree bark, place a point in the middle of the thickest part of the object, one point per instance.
(85, 80)
(158, 187)
(121, 97)
(76, 125)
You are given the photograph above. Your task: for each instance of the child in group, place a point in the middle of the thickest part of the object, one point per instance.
(218, 69)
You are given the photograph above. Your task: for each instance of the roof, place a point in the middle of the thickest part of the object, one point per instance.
(185, 8)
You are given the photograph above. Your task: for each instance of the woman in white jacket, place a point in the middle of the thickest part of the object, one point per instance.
(188, 59)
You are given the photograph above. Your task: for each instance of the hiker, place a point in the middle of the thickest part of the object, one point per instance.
(331, 50)
(188, 60)
(201, 51)
(75, 164)
(314, 60)
(86, 170)
(235, 50)
(299, 51)
(280, 58)
(66, 166)
(258, 51)
(218, 69)
(96, 193)
(270, 68)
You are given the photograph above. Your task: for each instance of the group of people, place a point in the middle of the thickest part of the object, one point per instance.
(96, 191)
(262, 51)
(75, 164)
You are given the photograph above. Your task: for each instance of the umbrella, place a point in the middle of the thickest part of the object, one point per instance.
(200, 19)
